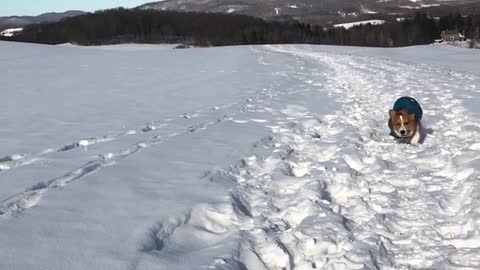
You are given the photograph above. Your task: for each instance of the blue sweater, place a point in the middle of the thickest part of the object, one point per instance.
(409, 104)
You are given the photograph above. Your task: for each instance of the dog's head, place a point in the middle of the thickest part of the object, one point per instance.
(403, 123)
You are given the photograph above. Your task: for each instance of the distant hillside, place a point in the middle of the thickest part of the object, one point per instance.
(321, 11)
(216, 29)
(21, 21)
(150, 26)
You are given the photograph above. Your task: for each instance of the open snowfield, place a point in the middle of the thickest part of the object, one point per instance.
(257, 157)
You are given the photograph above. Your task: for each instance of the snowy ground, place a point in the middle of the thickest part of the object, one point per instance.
(264, 157)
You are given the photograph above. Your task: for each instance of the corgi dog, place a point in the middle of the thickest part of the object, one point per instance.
(405, 121)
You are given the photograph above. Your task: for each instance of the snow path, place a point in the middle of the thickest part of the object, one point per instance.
(336, 193)
(406, 206)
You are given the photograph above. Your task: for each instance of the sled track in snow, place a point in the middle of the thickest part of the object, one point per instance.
(14, 161)
(335, 192)
(32, 195)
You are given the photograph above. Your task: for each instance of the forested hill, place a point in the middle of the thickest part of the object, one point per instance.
(212, 29)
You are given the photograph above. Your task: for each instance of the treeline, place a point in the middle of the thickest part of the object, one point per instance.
(213, 29)
(150, 26)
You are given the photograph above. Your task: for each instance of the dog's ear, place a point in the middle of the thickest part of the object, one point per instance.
(392, 114)
(412, 116)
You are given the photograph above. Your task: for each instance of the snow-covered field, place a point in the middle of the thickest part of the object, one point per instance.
(263, 157)
(10, 32)
(352, 24)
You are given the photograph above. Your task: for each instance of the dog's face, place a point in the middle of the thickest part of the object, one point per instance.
(403, 123)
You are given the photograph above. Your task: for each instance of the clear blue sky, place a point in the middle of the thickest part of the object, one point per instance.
(36, 7)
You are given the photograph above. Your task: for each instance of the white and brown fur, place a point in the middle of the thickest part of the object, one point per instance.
(405, 127)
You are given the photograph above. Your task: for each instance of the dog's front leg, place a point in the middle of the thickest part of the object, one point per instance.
(417, 136)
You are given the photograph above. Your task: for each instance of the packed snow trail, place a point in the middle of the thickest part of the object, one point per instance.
(276, 158)
(400, 206)
(405, 207)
